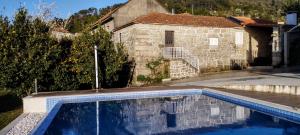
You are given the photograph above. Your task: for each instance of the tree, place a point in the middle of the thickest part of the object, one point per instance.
(268, 8)
(26, 54)
(80, 20)
(291, 5)
(111, 59)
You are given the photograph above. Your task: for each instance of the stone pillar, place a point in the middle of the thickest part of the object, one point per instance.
(276, 49)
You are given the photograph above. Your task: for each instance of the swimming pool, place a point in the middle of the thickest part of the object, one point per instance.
(190, 112)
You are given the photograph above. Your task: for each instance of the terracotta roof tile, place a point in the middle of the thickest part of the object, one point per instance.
(254, 22)
(60, 29)
(185, 19)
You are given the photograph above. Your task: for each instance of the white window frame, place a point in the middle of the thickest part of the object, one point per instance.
(239, 39)
(213, 42)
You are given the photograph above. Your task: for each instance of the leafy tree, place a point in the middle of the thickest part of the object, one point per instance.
(26, 53)
(105, 10)
(291, 5)
(269, 9)
(80, 20)
(111, 58)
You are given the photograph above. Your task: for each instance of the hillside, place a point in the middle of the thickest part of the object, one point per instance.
(267, 9)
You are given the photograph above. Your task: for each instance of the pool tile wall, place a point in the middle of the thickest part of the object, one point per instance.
(283, 114)
(51, 102)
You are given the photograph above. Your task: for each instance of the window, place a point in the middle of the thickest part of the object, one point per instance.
(213, 42)
(169, 38)
(239, 38)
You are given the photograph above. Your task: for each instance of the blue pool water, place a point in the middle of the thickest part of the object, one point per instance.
(195, 115)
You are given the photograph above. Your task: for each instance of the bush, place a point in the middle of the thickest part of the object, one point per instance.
(141, 78)
(26, 52)
(9, 101)
(159, 71)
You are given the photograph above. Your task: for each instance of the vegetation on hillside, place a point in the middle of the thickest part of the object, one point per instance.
(267, 9)
(82, 19)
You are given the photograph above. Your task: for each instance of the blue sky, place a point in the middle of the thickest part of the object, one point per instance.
(62, 8)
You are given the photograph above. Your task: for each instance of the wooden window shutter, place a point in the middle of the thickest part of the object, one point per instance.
(169, 38)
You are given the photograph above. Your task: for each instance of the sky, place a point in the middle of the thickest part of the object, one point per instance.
(60, 8)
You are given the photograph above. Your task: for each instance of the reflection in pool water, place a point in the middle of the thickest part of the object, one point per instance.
(199, 115)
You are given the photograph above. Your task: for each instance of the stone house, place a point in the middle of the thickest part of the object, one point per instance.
(193, 44)
(60, 33)
(190, 44)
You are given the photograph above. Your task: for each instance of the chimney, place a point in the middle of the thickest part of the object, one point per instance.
(173, 11)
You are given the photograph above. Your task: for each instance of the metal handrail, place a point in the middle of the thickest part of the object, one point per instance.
(181, 53)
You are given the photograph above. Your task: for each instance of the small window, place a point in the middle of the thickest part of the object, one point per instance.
(213, 42)
(169, 38)
(239, 38)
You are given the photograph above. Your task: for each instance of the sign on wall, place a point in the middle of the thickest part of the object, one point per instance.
(213, 42)
(239, 38)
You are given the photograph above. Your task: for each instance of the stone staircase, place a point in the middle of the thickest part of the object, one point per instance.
(182, 62)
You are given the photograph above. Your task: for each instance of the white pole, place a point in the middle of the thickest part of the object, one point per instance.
(96, 67)
(97, 117)
(97, 87)
(35, 86)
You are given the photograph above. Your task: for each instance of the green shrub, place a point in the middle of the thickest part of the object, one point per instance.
(159, 71)
(141, 78)
(9, 101)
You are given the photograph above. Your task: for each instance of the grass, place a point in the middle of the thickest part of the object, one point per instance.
(9, 116)
(10, 107)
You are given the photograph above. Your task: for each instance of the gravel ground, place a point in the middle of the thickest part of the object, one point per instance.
(24, 126)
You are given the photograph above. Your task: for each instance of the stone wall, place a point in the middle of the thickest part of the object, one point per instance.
(180, 69)
(276, 47)
(146, 42)
(109, 26)
(134, 9)
(61, 35)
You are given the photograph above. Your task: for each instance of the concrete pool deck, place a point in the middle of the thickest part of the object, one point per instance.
(261, 81)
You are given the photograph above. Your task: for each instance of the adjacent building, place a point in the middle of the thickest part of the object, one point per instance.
(264, 44)
(129, 11)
